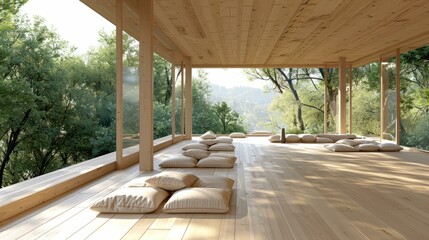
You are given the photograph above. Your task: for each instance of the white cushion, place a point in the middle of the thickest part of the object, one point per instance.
(224, 140)
(208, 135)
(214, 182)
(198, 200)
(179, 161)
(216, 162)
(172, 181)
(237, 135)
(195, 146)
(208, 142)
(131, 200)
(390, 147)
(222, 147)
(368, 147)
(307, 138)
(292, 138)
(274, 138)
(349, 142)
(196, 153)
(340, 148)
(323, 140)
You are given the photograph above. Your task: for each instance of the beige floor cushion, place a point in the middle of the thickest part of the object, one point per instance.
(179, 161)
(349, 142)
(228, 154)
(198, 200)
(292, 138)
(216, 162)
(390, 147)
(214, 182)
(138, 182)
(275, 138)
(368, 147)
(307, 138)
(131, 200)
(172, 181)
(237, 135)
(208, 142)
(365, 141)
(208, 135)
(224, 140)
(196, 153)
(261, 133)
(340, 148)
(336, 137)
(323, 140)
(222, 147)
(195, 146)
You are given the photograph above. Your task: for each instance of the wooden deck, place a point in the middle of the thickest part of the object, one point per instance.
(282, 191)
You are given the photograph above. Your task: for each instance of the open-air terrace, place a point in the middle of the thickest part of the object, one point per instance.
(282, 191)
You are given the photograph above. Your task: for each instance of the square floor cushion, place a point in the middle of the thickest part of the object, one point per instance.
(214, 182)
(195, 146)
(222, 147)
(208, 135)
(131, 200)
(237, 135)
(341, 148)
(198, 200)
(216, 162)
(179, 161)
(196, 153)
(172, 181)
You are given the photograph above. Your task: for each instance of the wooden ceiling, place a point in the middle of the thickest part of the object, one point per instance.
(279, 33)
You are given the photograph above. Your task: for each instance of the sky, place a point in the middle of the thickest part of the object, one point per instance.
(79, 25)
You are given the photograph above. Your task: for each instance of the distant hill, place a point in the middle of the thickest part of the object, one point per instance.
(251, 103)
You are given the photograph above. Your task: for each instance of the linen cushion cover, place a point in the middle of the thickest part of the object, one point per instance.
(179, 161)
(131, 200)
(208, 135)
(195, 146)
(216, 162)
(336, 137)
(323, 140)
(292, 138)
(208, 142)
(196, 153)
(222, 147)
(224, 140)
(198, 200)
(368, 147)
(275, 138)
(237, 135)
(349, 142)
(137, 182)
(390, 147)
(307, 138)
(214, 182)
(224, 154)
(172, 181)
(340, 148)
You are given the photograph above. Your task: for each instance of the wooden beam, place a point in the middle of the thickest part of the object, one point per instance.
(119, 90)
(188, 100)
(342, 95)
(384, 87)
(146, 85)
(350, 100)
(173, 101)
(398, 97)
(325, 100)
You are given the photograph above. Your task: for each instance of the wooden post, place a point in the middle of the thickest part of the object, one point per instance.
(182, 122)
(350, 99)
(325, 101)
(398, 96)
(342, 95)
(384, 87)
(119, 90)
(188, 100)
(173, 101)
(146, 85)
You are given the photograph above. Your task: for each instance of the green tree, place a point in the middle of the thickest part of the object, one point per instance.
(229, 119)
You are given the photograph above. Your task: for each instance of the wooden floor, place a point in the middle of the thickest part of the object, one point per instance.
(282, 191)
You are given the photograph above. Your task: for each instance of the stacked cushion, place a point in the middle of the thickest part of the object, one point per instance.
(208, 142)
(216, 162)
(323, 140)
(224, 140)
(336, 137)
(196, 153)
(340, 148)
(222, 147)
(172, 181)
(195, 146)
(179, 161)
(208, 135)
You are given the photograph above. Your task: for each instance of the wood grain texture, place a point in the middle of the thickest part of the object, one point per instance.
(281, 191)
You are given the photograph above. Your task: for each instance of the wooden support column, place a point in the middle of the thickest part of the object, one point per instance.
(119, 90)
(173, 101)
(188, 100)
(384, 88)
(325, 101)
(350, 99)
(146, 85)
(182, 122)
(398, 97)
(342, 95)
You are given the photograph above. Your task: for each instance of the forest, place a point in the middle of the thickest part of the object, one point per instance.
(58, 108)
